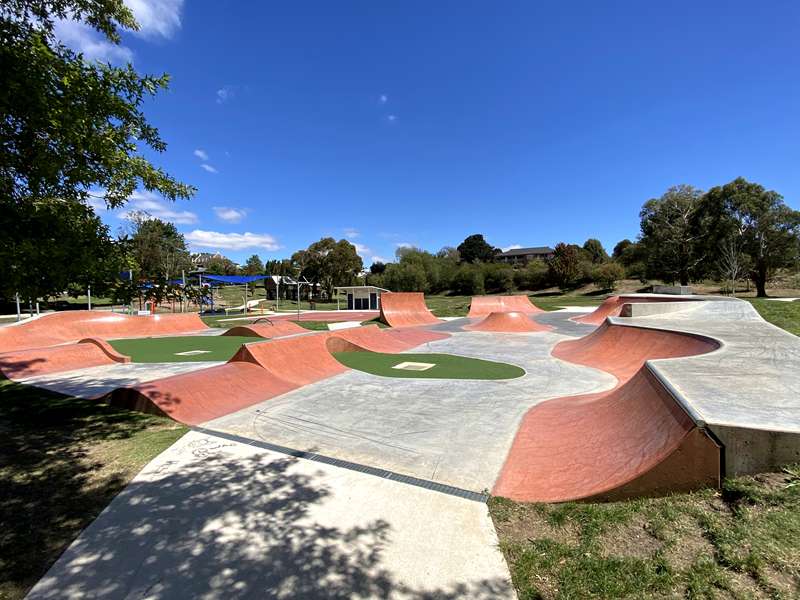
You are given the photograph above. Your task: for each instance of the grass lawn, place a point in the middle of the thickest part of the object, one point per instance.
(164, 349)
(783, 314)
(62, 460)
(447, 366)
(742, 542)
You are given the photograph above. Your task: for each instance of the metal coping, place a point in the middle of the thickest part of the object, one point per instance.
(345, 464)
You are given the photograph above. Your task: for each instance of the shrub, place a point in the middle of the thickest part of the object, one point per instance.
(498, 278)
(469, 280)
(607, 275)
(565, 266)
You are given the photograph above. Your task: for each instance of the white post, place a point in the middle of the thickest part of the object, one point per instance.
(89, 296)
(277, 293)
(19, 313)
(37, 308)
(298, 298)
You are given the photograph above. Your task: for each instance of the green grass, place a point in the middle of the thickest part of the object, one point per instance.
(314, 325)
(448, 366)
(785, 315)
(741, 543)
(62, 460)
(163, 349)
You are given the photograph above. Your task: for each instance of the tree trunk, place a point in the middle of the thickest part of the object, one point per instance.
(760, 280)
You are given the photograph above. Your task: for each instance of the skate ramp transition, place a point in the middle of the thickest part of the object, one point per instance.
(612, 306)
(508, 322)
(633, 440)
(406, 309)
(260, 371)
(267, 329)
(482, 306)
(75, 325)
(90, 352)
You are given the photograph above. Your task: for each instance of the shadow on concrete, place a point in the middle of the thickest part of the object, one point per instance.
(235, 527)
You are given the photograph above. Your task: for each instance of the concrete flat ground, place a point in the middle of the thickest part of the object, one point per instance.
(212, 518)
(454, 433)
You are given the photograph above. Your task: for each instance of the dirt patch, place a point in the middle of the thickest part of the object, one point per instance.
(524, 522)
(630, 540)
(687, 544)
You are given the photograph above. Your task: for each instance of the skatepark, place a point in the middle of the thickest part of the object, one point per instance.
(646, 395)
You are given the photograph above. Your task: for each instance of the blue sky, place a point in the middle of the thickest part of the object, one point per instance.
(423, 122)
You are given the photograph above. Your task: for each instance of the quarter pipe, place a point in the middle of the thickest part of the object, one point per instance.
(406, 309)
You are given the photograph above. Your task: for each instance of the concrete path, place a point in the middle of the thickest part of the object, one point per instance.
(210, 518)
(457, 435)
(97, 381)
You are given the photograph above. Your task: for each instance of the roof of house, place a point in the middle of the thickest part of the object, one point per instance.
(527, 251)
(358, 287)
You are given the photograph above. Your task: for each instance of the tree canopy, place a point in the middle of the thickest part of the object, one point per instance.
(71, 127)
(329, 263)
(474, 248)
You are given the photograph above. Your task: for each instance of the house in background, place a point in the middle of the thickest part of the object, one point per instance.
(525, 255)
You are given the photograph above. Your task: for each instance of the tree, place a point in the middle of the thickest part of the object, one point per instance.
(68, 125)
(669, 237)
(565, 265)
(595, 250)
(608, 274)
(620, 248)
(768, 230)
(732, 262)
(50, 247)
(253, 266)
(221, 265)
(475, 249)
(377, 268)
(329, 263)
(158, 248)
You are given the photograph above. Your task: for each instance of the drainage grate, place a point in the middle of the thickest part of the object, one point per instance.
(346, 464)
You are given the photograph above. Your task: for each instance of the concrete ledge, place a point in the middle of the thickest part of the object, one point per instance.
(649, 309)
(681, 290)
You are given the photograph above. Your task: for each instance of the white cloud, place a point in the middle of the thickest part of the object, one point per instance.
(351, 233)
(511, 247)
(225, 93)
(391, 118)
(403, 245)
(230, 215)
(149, 203)
(90, 43)
(380, 259)
(362, 250)
(201, 154)
(231, 241)
(208, 168)
(383, 98)
(156, 19)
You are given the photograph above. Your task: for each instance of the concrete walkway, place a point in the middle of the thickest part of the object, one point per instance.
(211, 518)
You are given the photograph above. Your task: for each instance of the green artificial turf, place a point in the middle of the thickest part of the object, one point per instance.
(448, 366)
(163, 349)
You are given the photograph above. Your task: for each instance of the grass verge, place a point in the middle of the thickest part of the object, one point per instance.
(446, 366)
(167, 349)
(785, 315)
(62, 460)
(740, 542)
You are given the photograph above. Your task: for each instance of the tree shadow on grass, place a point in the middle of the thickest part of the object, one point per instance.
(206, 522)
(50, 481)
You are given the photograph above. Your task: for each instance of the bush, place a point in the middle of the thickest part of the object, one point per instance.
(469, 280)
(498, 278)
(607, 275)
(565, 266)
(535, 276)
(405, 277)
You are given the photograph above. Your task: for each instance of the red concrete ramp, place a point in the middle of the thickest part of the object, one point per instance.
(622, 350)
(200, 396)
(388, 340)
(89, 352)
(632, 441)
(328, 316)
(299, 360)
(73, 325)
(508, 322)
(269, 330)
(612, 306)
(482, 306)
(406, 309)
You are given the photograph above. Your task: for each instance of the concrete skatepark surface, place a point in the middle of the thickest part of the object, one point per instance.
(613, 306)
(211, 518)
(670, 398)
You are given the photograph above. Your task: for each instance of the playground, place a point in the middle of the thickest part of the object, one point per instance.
(644, 396)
